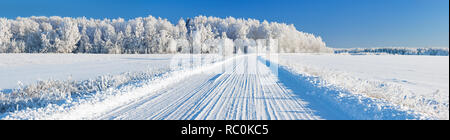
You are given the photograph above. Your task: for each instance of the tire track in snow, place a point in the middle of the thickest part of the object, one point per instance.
(246, 89)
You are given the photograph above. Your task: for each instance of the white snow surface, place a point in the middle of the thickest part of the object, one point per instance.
(416, 83)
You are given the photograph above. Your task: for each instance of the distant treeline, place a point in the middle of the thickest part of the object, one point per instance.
(149, 35)
(395, 51)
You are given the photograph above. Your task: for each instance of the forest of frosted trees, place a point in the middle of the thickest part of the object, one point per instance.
(146, 35)
(395, 51)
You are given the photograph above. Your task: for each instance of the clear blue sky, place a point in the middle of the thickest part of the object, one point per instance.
(341, 23)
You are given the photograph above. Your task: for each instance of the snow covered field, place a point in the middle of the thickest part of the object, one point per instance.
(416, 83)
(285, 86)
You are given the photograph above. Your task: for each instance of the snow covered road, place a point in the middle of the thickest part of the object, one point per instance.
(245, 88)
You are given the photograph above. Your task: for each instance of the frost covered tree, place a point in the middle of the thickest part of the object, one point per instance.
(97, 41)
(181, 38)
(5, 35)
(172, 46)
(84, 45)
